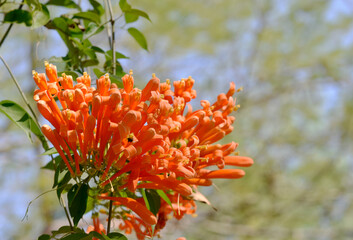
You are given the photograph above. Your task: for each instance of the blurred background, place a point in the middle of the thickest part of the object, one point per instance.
(294, 60)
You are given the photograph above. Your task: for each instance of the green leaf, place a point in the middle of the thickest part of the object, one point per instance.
(40, 17)
(35, 3)
(90, 62)
(74, 75)
(22, 119)
(138, 36)
(78, 43)
(117, 80)
(50, 152)
(75, 236)
(62, 183)
(123, 194)
(87, 44)
(88, 237)
(108, 66)
(62, 27)
(154, 201)
(92, 29)
(118, 55)
(97, 7)
(124, 6)
(60, 24)
(64, 3)
(49, 165)
(19, 16)
(96, 235)
(44, 237)
(77, 198)
(164, 196)
(91, 201)
(75, 30)
(116, 236)
(90, 204)
(56, 181)
(133, 14)
(63, 229)
(98, 72)
(59, 164)
(91, 16)
(97, 49)
(143, 192)
(66, 229)
(130, 17)
(91, 54)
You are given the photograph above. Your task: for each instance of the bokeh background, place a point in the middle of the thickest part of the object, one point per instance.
(294, 60)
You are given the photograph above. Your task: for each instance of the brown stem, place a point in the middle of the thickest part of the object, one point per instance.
(110, 213)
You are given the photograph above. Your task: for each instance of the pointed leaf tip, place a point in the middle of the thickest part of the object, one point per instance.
(138, 36)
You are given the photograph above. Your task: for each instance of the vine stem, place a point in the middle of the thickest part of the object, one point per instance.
(20, 89)
(66, 212)
(110, 213)
(43, 140)
(9, 28)
(112, 22)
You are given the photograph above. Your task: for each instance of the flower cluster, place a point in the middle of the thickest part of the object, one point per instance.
(133, 140)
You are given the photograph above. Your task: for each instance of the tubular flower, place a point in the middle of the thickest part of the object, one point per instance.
(132, 139)
(97, 227)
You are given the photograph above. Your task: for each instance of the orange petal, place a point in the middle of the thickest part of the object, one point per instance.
(128, 82)
(40, 80)
(238, 161)
(197, 181)
(103, 85)
(51, 72)
(47, 131)
(189, 123)
(152, 85)
(214, 138)
(231, 90)
(224, 173)
(146, 215)
(96, 104)
(47, 113)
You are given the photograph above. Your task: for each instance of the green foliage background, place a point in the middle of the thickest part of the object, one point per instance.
(293, 59)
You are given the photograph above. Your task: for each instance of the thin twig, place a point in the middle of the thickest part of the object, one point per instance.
(9, 28)
(101, 25)
(110, 213)
(66, 212)
(42, 139)
(29, 204)
(20, 90)
(112, 22)
(108, 20)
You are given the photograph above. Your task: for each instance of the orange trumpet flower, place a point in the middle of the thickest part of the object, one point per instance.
(128, 139)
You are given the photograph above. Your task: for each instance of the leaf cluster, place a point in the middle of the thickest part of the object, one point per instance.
(76, 29)
(75, 233)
